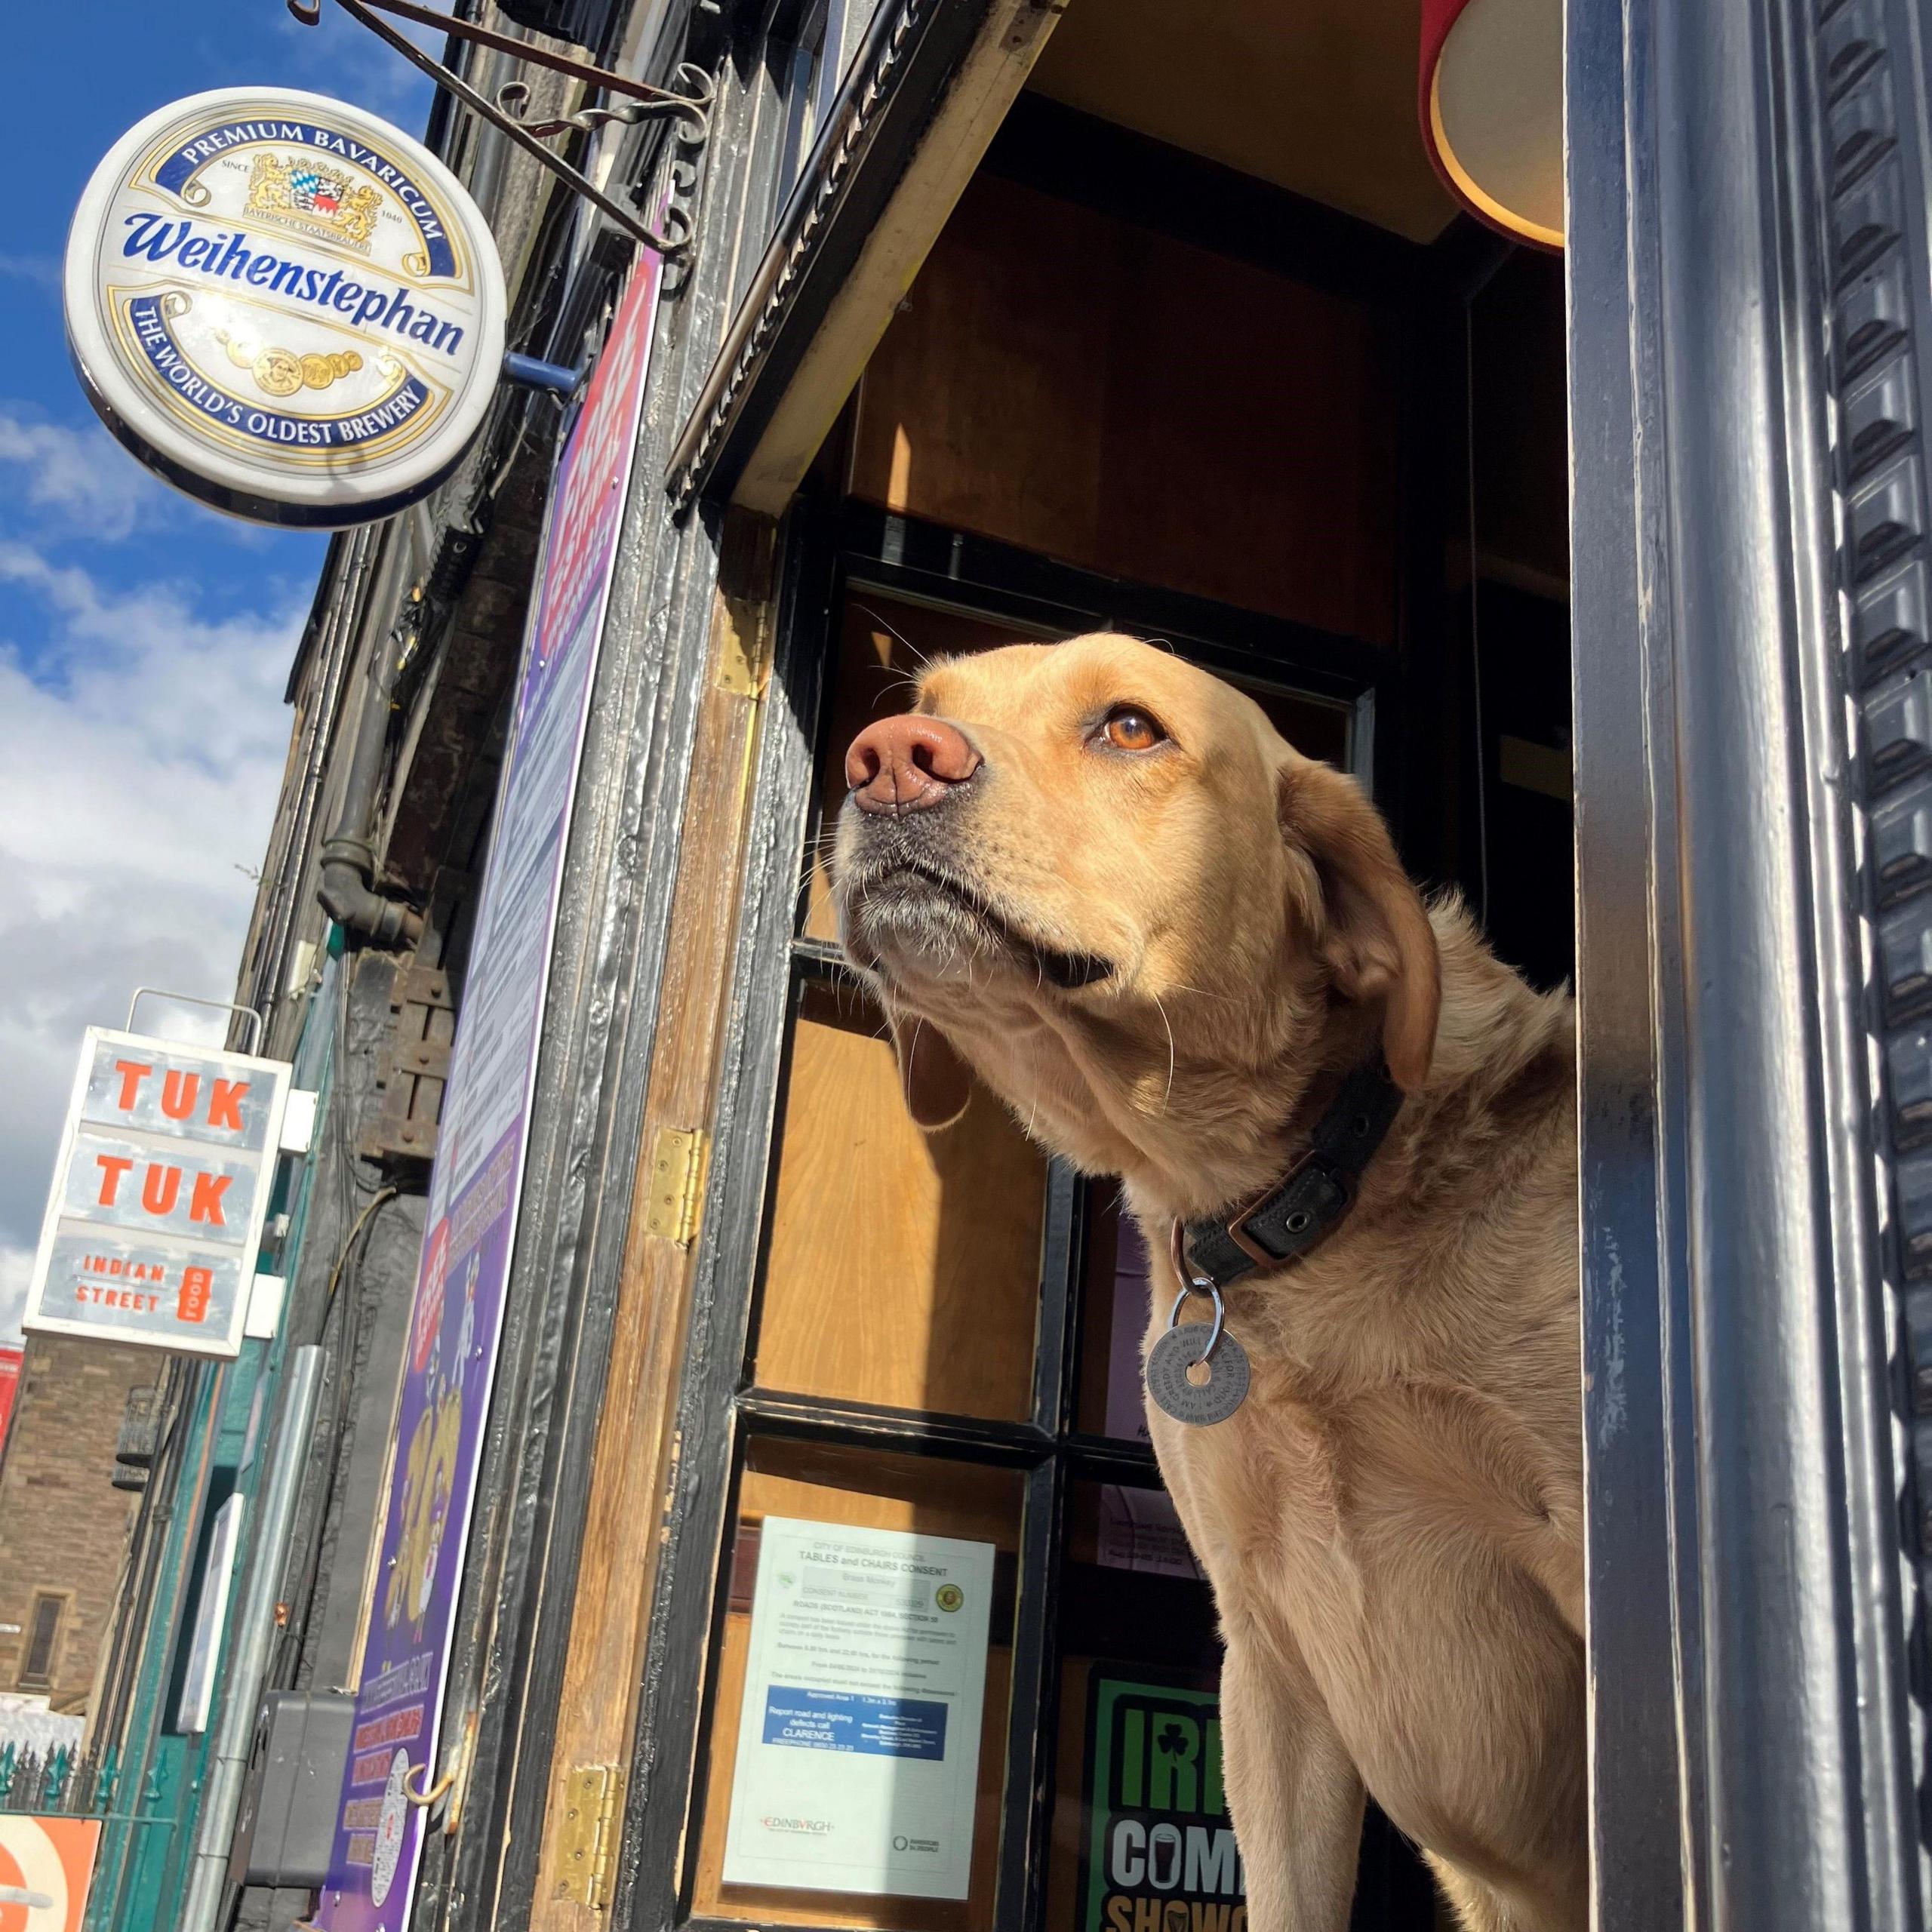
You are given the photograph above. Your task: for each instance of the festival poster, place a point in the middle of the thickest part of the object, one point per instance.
(1157, 1852)
(457, 1317)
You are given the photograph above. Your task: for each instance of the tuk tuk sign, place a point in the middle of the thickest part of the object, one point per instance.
(284, 306)
(154, 1218)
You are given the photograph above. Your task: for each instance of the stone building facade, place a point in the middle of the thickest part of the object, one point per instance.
(63, 1524)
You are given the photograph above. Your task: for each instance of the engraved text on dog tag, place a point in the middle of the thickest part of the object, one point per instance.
(1214, 1400)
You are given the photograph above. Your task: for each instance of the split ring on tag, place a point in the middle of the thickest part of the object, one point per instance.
(1223, 1389)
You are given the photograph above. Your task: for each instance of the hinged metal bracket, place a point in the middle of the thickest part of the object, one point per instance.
(739, 671)
(586, 1833)
(744, 604)
(643, 102)
(679, 1161)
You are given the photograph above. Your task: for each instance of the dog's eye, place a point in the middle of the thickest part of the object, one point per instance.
(1129, 729)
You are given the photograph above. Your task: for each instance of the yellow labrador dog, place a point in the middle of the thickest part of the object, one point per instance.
(1185, 955)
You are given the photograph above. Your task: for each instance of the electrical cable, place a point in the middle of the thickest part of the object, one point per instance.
(348, 1247)
(1476, 623)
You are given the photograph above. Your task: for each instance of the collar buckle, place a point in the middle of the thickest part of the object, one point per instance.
(1300, 1220)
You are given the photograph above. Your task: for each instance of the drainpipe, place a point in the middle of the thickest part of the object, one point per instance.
(241, 1679)
(348, 886)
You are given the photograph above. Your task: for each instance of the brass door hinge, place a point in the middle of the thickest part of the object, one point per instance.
(741, 667)
(586, 1836)
(742, 615)
(679, 1161)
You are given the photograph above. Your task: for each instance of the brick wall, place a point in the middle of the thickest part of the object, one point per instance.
(63, 1527)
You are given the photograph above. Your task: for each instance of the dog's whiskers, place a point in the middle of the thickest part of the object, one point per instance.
(1168, 1024)
(892, 629)
(1201, 993)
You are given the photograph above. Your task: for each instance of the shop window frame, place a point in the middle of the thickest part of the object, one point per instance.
(832, 547)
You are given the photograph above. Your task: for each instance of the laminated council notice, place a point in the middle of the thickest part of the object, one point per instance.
(859, 1743)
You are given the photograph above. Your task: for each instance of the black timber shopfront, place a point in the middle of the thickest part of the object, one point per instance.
(1008, 320)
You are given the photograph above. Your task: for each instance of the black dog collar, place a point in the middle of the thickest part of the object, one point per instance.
(1306, 1206)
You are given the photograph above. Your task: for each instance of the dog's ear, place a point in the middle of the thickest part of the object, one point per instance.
(1368, 923)
(931, 1075)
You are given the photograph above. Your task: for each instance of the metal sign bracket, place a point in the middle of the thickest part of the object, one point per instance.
(691, 109)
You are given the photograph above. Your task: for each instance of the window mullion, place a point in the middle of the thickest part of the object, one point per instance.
(1033, 1708)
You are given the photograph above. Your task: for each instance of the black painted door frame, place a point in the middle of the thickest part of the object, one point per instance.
(1750, 318)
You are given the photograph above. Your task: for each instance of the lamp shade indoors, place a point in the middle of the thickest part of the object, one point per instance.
(1491, 98)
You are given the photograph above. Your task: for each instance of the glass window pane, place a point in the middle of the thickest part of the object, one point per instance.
(1141, 1837)
(1114, 1317)
(38, 1665)
(1139, 1728)
(857, 1796)
(904, 1267)
(1317, 727)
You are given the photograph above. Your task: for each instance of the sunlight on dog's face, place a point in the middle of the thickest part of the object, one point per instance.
(1069, 863)
(1092, 863)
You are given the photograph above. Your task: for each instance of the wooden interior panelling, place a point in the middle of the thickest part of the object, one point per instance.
(904, 1267)
(879, 1492)
(1318, 97)
(1110, 396)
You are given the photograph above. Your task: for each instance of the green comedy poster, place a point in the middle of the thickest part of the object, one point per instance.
(1159, 1853)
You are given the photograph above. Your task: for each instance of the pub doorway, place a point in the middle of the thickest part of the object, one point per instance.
(1257, 392)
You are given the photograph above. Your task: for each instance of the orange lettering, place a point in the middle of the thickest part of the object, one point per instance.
(160, 1189)
(224, 1101)
(195, 1282)
(132, 1073)
(206, 1205)
(112, 1166)
(178, 1093)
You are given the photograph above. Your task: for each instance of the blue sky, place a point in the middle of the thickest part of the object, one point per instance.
(144, 641)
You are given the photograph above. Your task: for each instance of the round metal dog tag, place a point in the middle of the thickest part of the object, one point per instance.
(1202, 1403)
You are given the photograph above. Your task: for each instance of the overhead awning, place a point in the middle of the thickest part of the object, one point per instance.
(928, 89)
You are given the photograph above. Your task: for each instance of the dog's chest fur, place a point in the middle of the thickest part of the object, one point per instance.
(1401, 1493)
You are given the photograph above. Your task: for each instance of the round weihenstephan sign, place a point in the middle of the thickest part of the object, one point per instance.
(285, 306)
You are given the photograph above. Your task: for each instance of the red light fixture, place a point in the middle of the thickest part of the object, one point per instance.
(1491, 98)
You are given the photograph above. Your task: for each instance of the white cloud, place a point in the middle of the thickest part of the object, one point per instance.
(43, 271)
(139, 768)
(340, 56)
(81, 474)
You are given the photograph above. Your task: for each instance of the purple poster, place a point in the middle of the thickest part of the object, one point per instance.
(456, 1317)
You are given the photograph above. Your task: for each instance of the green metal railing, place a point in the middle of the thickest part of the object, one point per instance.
(32, 1780)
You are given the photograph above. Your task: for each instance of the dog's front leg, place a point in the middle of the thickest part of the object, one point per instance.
(1297, 1799)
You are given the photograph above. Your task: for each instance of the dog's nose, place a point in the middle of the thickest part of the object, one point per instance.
(906, 763)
